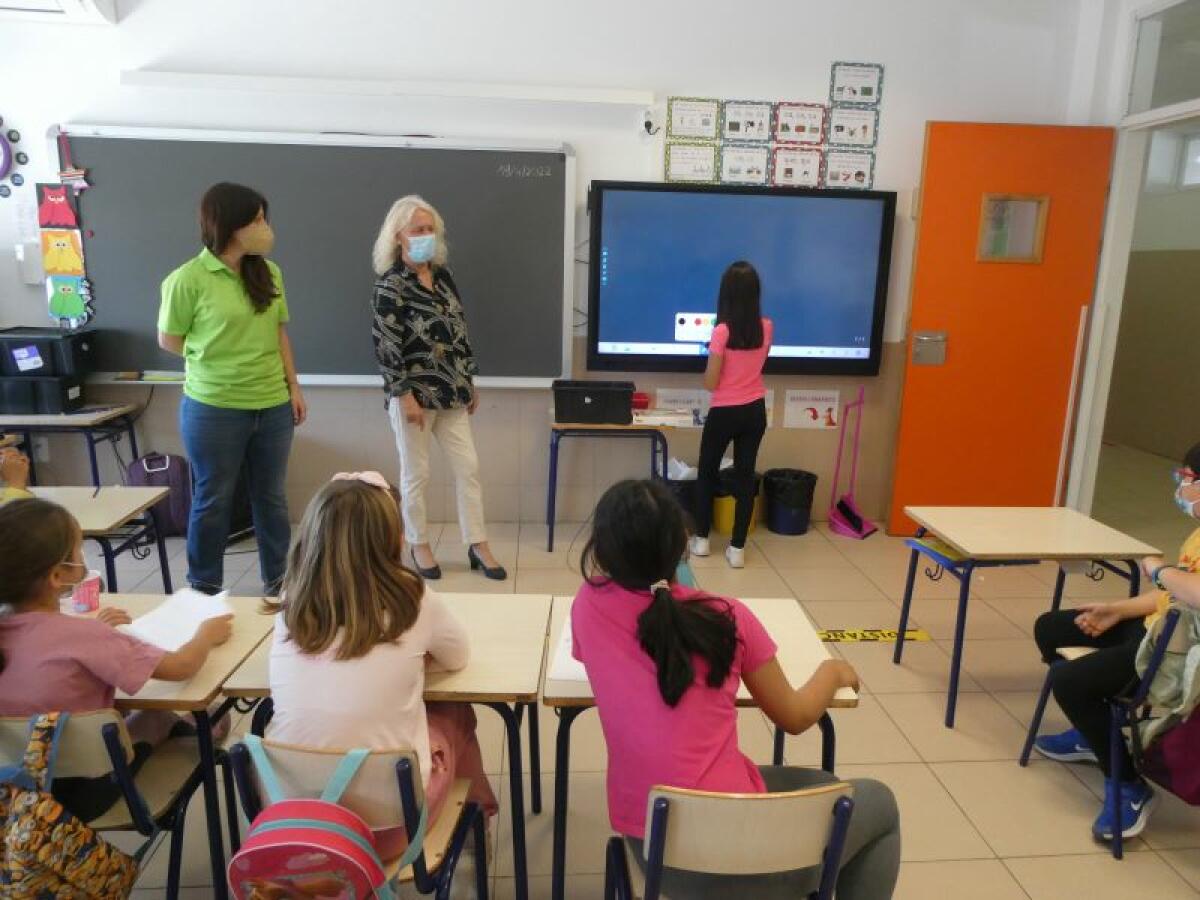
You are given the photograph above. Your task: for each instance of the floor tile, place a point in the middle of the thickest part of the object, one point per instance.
(1005, 665)
(925, 667)
(1099, 878)
(839, 584)
(753, 556)
(981, 879)
(802, 553)
(587, 828)
(932, 825)
(1040, 810)
(982, 729)
(1186, 863)
(865, 734)
(1022, 611)
(560, 582)
(578, 887)
(1007, 581)
(891, 577)
(1021, 704)
(742, 583)
(852, 613)
(939, 616)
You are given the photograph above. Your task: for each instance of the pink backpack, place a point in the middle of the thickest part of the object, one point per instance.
(306, 847)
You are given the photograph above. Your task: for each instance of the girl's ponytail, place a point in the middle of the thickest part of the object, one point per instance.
(672, 632)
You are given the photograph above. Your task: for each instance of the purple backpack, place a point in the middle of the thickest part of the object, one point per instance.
(1173, 759)
(169, 471)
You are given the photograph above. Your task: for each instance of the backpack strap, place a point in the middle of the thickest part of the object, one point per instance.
(35, 772)
(262, 765)
(344, 774)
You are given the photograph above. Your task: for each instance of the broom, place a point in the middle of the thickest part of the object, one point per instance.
(845, 518)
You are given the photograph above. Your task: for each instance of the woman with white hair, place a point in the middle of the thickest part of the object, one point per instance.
(428, 370)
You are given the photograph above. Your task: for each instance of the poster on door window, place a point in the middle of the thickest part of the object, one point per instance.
(812, 409)
(800, 123)
(690, 162)
(852, 127)
(696, 402)
(860, 83)
(746, 120)
(849, 169)
(745, 165)
(796, 167)
(693, 118)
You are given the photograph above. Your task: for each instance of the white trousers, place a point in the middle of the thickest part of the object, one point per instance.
(452, 428)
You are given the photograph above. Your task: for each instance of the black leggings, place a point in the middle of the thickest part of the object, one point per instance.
(1084, 686)
(745, 426)
(90, 798)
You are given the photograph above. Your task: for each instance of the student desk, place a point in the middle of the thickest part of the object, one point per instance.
(103, 512)
(800, 653)
(98, 425)
(974, 537)
(250, 627)
(560, 430)
(507, 634)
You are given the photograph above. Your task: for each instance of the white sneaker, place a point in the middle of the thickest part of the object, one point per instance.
(698, 546)
(736, 557)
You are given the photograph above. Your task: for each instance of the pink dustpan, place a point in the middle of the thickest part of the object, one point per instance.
(845, 518)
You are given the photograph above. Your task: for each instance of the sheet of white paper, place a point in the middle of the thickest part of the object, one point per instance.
(565, 667)
(173, 622)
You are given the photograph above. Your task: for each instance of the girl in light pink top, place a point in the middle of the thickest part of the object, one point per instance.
(354, 631)
(738, 413)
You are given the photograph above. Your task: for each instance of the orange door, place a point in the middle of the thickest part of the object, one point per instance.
(987, 426)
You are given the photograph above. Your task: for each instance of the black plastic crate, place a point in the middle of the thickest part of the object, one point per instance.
(593, 402)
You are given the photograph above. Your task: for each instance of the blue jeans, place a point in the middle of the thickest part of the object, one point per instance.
(219, 443)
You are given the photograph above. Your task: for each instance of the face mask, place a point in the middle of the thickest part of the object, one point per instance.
(421, 247)
(257, 239)
(68, 589)
(1188, 506)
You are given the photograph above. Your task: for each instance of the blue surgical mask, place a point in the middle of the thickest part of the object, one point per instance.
(1188, 506)
(421, 247)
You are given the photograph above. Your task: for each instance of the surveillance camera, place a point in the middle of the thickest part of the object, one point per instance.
(648, 122)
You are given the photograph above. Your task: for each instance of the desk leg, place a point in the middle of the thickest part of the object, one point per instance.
(828, 743)
(110, 565)
(212, 805)
(906, 606)
(91, 445)
(512, 728)
(132, 435)
(660, 444)
(1135, 577)
(562, 772)
(262, 716)
(960, 630)
(1060, 582)
(551, 490)
(777, 751)
(535, 762)
(163, 563)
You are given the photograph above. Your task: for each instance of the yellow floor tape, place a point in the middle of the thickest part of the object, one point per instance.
(852, 635)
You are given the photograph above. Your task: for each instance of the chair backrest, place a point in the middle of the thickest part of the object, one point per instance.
(81, 749)
(745, 834)
(373, 793)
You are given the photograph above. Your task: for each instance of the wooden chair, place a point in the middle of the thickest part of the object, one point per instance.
(386, 792)
(1126, 711)
(97, 744)
(737, 834)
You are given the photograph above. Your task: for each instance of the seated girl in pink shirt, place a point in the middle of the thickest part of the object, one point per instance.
(738, 412)
(665, 661)
(354, 630)
(51, 662)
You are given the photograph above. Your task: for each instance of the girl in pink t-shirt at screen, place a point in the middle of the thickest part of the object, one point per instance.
(738, 412)
(665, 662)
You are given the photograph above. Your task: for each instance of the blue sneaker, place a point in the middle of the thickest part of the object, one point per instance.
(1137, 800)
(1066, 747)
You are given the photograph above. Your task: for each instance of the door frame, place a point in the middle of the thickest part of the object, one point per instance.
(1133, 140)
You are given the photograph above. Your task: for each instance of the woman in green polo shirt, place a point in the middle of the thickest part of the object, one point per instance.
(225, 312)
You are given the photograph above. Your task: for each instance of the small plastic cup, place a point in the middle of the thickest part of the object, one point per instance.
(85, 597)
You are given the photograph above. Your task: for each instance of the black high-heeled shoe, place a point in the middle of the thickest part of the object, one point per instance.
(497, 573)
(428, 574)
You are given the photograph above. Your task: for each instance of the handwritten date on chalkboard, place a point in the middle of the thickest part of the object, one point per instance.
(524, 170)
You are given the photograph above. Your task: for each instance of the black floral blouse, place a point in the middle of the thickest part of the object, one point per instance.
(420, 339)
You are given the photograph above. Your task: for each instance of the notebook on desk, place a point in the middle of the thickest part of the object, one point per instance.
(564, 666)
(173, 622)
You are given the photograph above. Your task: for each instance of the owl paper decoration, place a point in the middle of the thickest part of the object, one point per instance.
(62, 253)
(69, 298)
(56, 207)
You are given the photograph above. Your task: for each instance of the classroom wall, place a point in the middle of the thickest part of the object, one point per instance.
(981, 60)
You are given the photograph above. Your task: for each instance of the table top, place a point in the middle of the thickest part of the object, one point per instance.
(250, 628)
(590, 426)
(800, 652)
(83, 418)
(106, 509)
(1026, 532)
(507, 635)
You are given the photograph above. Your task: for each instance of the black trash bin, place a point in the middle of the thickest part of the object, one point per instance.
(685, 493)
(789, 500)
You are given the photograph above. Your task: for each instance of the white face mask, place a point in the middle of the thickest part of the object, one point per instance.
(69, 589)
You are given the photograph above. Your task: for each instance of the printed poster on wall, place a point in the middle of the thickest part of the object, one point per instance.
(796, 167)
(745, 165)
(800, 123)
(696, 401)
(690, 162)
(860, 83)
(853, 127)
(693, 118)
(849, 169)
(812, 409)
(746, 120)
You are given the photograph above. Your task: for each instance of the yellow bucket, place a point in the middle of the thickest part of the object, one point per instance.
(723, 511)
